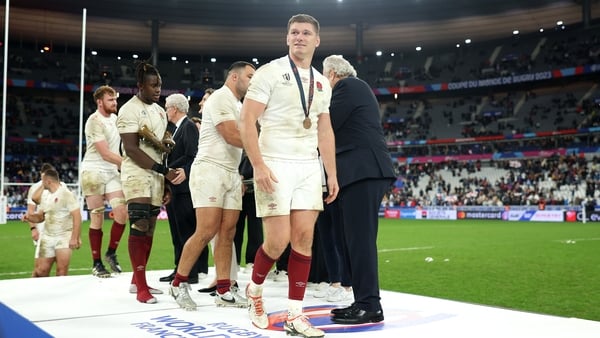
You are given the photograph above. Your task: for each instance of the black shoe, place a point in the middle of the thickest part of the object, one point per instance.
(208, 289)
(192, 280)
(342, 310)
(168, 278)
(100, 271)
(358, 316)
(212, 290)
(111, 259)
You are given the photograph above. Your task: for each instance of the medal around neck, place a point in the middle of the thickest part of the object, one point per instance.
(306, 123)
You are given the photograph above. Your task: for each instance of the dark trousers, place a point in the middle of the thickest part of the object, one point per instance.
(282, 263)
(182, 222)
(318, 268)
(359, 205)
(329, 236)
(255, 231)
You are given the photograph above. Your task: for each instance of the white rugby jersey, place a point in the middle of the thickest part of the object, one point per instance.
(282, 134)
(98, 128)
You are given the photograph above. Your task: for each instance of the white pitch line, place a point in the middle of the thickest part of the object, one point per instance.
(407, 249)
(577, 239)
(82, 269)
(29, 272)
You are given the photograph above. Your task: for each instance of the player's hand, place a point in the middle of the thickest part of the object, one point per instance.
(35, 234)
(75, 243)
(332, 189)
(171, 175)
(265, 179)
(244, 188)
(179, 176)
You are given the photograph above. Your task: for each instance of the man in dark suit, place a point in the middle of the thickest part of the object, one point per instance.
(248, 216)
(365, 172)
(182, 217)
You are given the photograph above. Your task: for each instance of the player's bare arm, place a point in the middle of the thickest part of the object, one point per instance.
(263, 176)
(32, 225)
(131, 144)
(75, 242)
(37, 194)
(230, 132)
(107, 155)
(34, 217)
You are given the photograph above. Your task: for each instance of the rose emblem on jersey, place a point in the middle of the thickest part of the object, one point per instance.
(319, 86)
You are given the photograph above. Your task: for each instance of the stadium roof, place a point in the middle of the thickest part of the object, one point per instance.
(257, 27)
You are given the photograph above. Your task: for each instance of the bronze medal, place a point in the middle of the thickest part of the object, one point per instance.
(306, 123)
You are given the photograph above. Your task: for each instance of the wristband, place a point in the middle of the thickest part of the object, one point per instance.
(32, 228)
(159, 168)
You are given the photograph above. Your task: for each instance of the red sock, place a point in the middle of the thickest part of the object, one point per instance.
(223, 285)
(179, 279)
(298, 270)
(262, 265)
(144, 296)
(138, 257)
(116, 232)
(148, 243)
(95, 242)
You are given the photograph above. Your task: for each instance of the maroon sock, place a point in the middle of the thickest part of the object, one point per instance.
(298, 270)
(95, 242)
(262, 265)
(223, 285)
(148, 242)
(116, 232)
(179, 279)
(138, 257)
(148, 247)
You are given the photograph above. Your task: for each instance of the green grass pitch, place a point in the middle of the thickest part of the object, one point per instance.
(550, 268)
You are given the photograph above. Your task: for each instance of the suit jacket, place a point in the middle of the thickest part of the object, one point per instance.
(182, 156)
(361, 150)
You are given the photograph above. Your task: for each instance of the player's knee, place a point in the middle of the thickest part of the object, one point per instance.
(42, 271)
(228, 233)
(117, 202)
(62, 269)
(139, 217)
(120, 214)
(154, 211)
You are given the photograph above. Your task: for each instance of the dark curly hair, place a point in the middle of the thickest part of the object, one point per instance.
(143, 69)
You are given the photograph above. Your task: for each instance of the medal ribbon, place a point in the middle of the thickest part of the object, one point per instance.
(311, 88)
